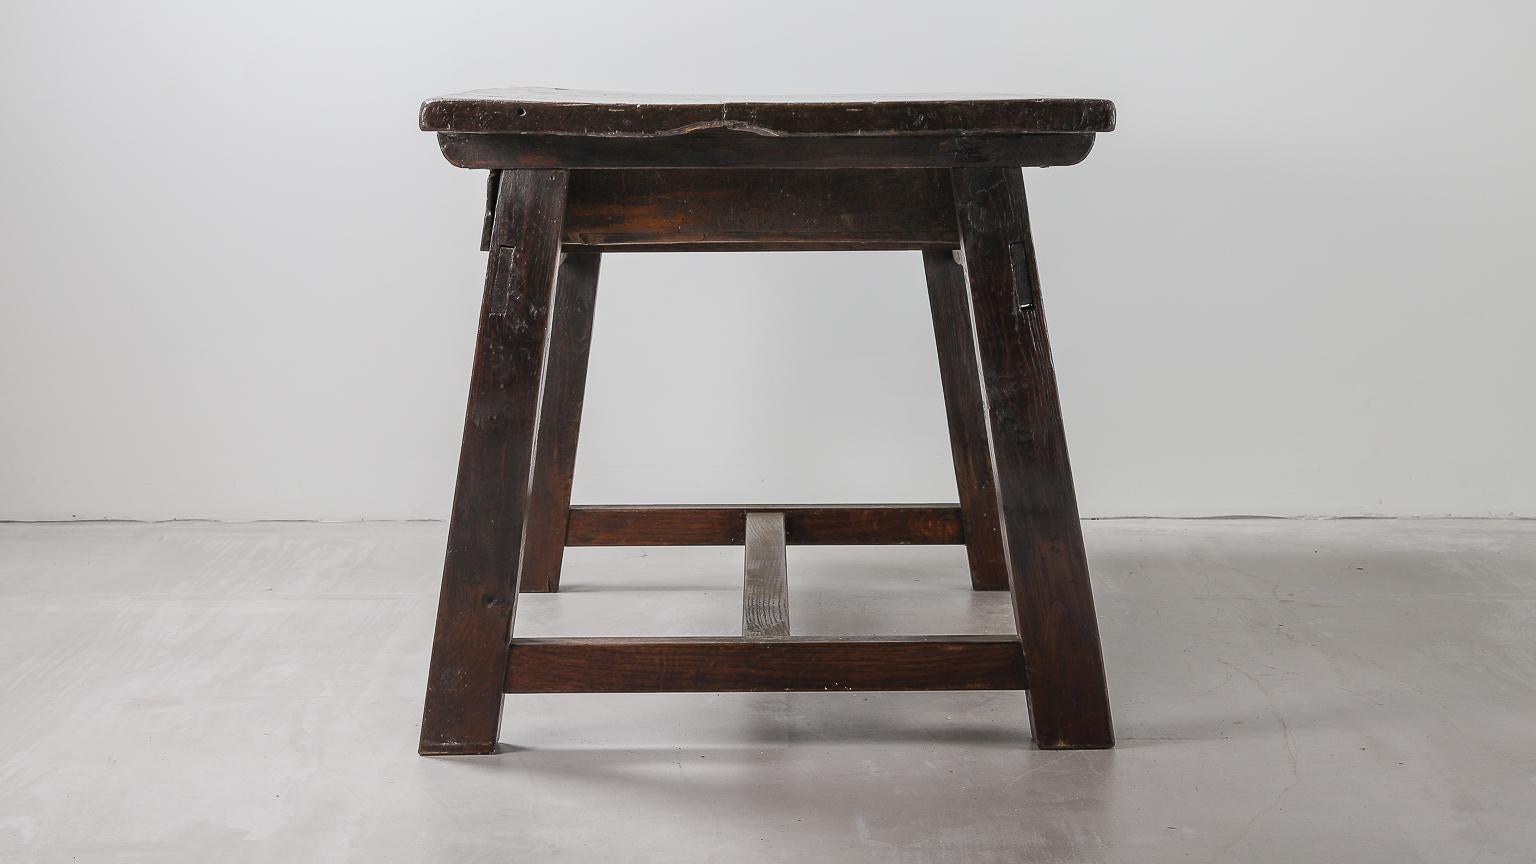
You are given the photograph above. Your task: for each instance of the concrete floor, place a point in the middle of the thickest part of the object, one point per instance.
(1351, 691)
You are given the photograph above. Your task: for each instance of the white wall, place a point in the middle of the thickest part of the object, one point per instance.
(235, 281)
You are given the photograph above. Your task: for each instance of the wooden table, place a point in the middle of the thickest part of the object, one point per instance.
(576, 174)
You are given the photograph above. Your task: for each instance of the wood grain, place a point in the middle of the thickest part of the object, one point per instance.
(805, 525)
(1042, 537)
(529, 110)
(560, 403)
(967, 419)
(759, 209)
(765, 582)
(479, 591)
(718, 664)
(743, 150)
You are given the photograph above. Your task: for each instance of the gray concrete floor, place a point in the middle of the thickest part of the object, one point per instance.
(1352, 691)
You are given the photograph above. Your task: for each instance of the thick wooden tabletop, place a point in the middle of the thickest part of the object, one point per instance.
(545, 111)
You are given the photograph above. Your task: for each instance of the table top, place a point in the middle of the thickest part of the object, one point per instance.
(548, 111)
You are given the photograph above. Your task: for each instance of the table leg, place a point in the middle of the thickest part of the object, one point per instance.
(479, 593)
(554, 455)
(967, 420)
(1042, 537)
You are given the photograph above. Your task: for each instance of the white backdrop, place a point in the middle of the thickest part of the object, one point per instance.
(237, 283)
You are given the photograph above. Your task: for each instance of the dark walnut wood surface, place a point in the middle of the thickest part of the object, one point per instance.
(547, 111)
